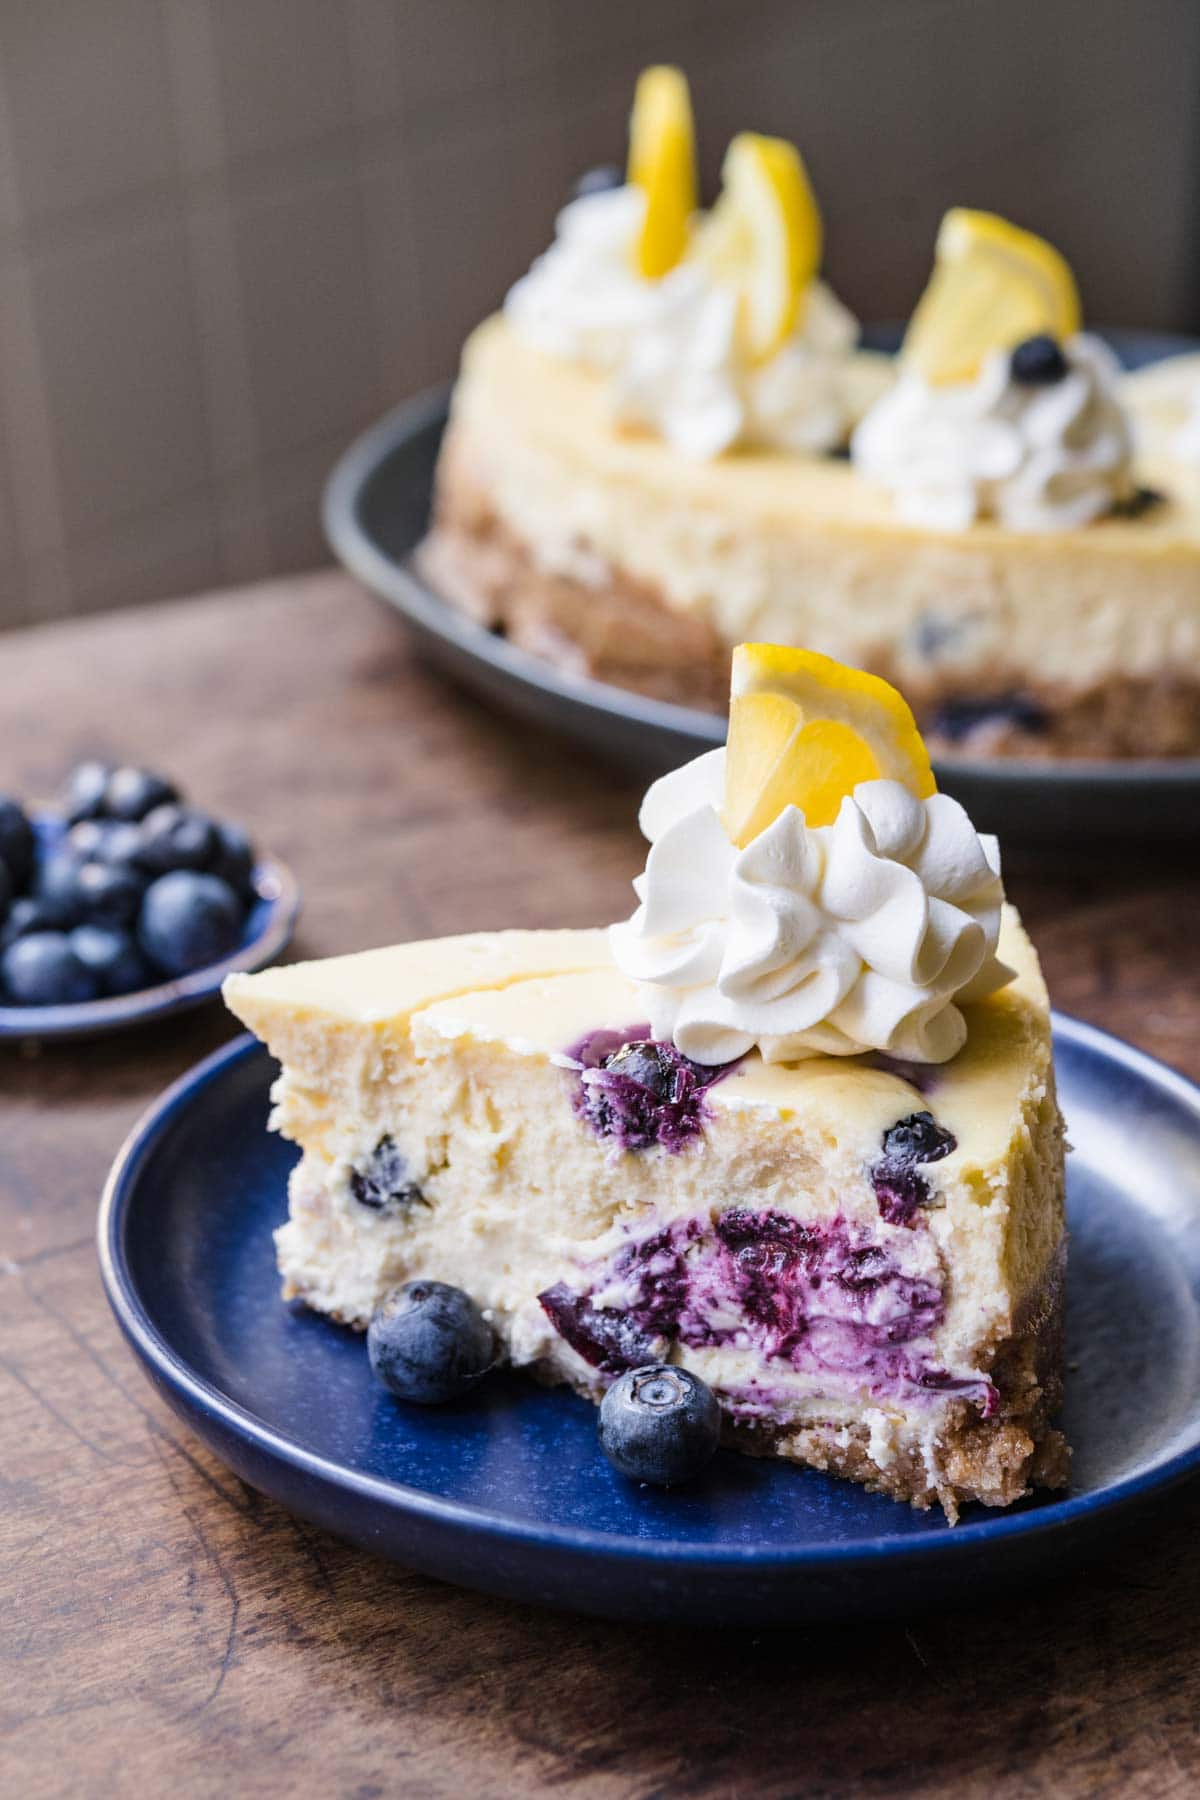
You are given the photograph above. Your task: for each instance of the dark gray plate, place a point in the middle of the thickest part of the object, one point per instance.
(376, 510)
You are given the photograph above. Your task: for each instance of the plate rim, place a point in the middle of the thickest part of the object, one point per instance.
(275, 884)
(406, 590)
(198, 1395)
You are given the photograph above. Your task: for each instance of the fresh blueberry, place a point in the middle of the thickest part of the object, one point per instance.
(25, 915)
(121, 847)
(234, 858)
(177, 837)
(659, 1424)
(429, 1342)
(108, 895)
(384, 1183)
(132, 793)
(189, 920)
(113, 958)
(87, 837)
(43, 970)
(84, 794)
(113, 841)
(600, 180)
(16, 843)
(56, 885)
(1038, 362)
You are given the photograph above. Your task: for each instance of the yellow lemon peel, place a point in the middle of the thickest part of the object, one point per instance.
(804, 731)
(662, 163)
(763, 237)
(993, 285)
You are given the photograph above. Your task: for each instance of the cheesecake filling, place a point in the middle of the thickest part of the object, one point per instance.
(863, 935)
(1048, 453)
(849, 1311)
(672, 348)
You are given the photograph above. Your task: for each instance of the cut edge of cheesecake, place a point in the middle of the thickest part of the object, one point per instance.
(455, 1054)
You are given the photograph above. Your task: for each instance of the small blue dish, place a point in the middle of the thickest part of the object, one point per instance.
(509, 1492)
(268, 931)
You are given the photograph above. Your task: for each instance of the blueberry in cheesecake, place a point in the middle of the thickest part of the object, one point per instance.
(789, 1131)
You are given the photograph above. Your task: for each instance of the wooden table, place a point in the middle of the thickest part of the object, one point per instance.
(165, 1629)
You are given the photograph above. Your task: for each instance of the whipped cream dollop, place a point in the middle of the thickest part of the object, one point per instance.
(866, 934)
(1186, 442)
(672, 347)
(1037, 457)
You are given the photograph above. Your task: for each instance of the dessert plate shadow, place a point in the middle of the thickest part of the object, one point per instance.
(266, 934)
(509, 1492)
(376, 511)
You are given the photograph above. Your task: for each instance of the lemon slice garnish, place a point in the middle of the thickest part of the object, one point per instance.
(992, 286)
(763, 236)
(804, 730)
(662, 162)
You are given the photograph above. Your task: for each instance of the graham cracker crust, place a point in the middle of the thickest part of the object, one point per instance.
(621, 630)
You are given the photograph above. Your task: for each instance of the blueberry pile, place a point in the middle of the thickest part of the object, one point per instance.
(130, 888)
(429, 1343)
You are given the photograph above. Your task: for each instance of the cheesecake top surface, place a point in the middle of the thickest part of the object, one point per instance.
(538, 993)
(567, 408)
(376, 987)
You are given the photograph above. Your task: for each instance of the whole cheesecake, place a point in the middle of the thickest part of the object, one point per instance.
(607, 552)
(670, 442)
(791, 1128)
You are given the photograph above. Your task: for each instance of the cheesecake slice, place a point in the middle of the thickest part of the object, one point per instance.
(862, 1258)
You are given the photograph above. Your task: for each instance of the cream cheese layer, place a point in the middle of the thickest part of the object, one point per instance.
(786, 549)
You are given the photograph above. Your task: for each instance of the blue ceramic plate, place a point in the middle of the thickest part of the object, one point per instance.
(376, 512)
(510, 1493)
(268, 931)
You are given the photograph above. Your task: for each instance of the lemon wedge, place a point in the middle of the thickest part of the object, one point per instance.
(763, 236)
(662, 162)
(992, 286)
(804, 730)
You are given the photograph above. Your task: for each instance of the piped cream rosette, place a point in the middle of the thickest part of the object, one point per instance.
(819, 922)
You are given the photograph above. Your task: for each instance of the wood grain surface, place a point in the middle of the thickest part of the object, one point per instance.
(163, 1629)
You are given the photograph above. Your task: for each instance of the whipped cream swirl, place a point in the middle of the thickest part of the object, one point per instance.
(1186, 442)
(1045, 457)
(861, 935)
(672, 347)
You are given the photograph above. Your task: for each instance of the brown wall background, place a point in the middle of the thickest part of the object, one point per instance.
(232, 232)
